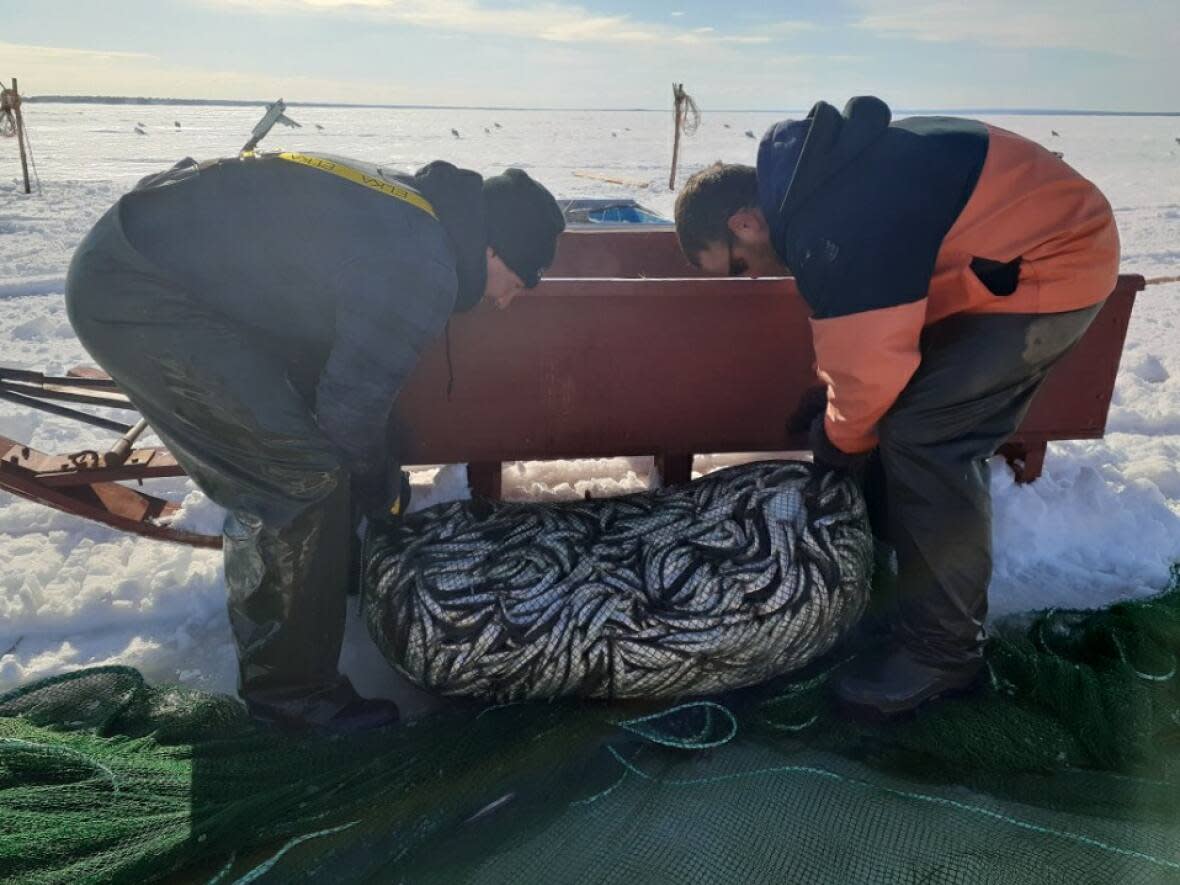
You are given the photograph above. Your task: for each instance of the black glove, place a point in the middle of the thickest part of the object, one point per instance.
(812, 405)
(383, 498)
(828, 457)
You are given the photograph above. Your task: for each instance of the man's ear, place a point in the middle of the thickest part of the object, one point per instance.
(748, 224)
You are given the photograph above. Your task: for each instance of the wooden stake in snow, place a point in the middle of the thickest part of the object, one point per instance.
(686, 117)
(10, 107)
(677, 122)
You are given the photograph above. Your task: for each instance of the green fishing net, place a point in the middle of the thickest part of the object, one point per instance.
(1064, 767)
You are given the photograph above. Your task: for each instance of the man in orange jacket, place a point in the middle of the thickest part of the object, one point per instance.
(948, 265)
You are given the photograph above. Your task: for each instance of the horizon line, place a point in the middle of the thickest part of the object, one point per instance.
(234, 102)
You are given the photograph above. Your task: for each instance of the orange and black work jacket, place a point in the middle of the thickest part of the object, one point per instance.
(890, 227)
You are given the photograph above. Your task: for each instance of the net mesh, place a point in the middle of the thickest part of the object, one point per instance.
(1062, 768)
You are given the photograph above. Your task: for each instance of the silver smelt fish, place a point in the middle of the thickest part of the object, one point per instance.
(746, 574)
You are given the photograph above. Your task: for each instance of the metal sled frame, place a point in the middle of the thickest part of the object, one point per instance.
(86, 483)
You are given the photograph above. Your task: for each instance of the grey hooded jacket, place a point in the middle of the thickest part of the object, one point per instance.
(342, 282)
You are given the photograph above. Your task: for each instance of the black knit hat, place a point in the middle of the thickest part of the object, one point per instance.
(524, 222)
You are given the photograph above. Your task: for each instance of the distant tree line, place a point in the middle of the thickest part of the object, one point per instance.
(125, 99)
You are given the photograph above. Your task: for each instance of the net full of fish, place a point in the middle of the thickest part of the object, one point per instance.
(743, 575)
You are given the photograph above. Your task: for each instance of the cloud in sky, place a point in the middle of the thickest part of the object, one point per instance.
(101, 72)
(554, 22)
(1133, 27)
(24, 52)
(585, 53)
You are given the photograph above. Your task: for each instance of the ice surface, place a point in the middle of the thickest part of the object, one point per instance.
(1103, 522)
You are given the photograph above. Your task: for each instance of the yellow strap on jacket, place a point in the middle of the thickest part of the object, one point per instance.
(357, 177)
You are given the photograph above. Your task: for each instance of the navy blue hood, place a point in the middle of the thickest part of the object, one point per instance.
(796, 157)
(778, 159)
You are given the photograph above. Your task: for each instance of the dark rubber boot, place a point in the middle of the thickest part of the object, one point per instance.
(364, 714)
(897, 682)
(351, 715)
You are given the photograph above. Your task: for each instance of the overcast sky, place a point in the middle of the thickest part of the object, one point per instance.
(1078, 54)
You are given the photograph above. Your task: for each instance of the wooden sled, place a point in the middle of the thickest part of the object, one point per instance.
(624, 349)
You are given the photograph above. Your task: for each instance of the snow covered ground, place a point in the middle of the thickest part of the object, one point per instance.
(1102, 523)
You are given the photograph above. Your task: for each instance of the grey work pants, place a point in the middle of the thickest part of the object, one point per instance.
(224, 406)
(928, 486)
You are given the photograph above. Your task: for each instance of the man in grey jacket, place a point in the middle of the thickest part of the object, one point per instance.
(262, 313)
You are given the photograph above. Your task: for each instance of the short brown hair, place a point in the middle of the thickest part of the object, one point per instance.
(707, 202)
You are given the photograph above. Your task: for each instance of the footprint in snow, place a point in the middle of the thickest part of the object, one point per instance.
(1151, 370)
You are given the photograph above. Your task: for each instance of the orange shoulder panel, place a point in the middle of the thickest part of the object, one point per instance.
(1029, 204)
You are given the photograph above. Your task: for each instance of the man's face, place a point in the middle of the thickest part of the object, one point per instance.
(503, 285)
(746, 250)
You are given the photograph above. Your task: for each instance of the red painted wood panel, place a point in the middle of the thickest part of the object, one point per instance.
(611, 252)
(596, 367)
